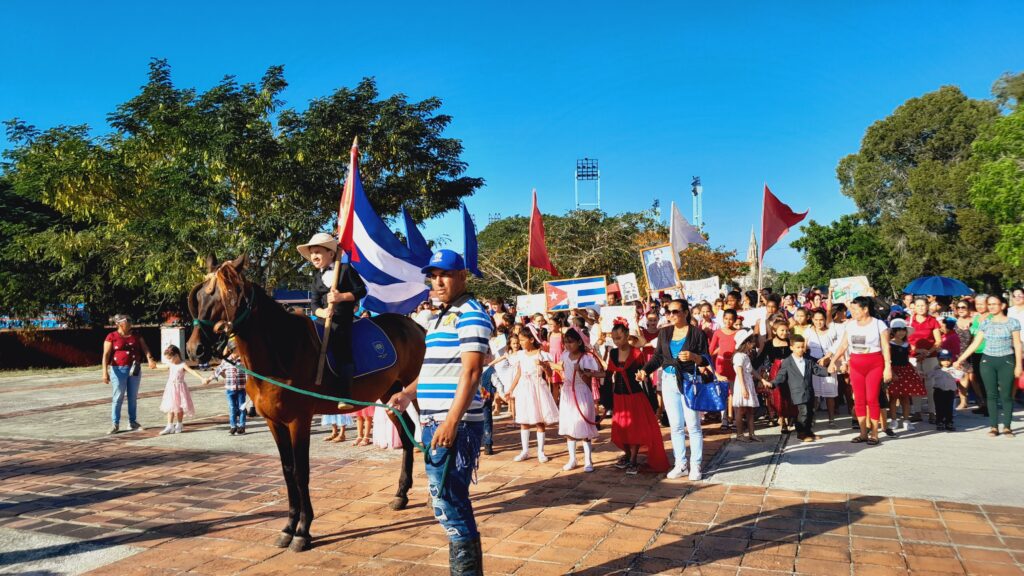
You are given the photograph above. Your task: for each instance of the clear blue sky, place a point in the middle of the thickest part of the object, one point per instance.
(738, 93)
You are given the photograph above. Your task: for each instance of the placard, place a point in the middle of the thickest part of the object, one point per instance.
(610, 313)
(628, 287)
(530, 304)
(697, 290)
(572, 293)
(846, 289)
(659, 268)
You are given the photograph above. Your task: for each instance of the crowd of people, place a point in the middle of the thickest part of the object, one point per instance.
(784, 359)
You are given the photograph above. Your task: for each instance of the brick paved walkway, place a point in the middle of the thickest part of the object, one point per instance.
(217, 513)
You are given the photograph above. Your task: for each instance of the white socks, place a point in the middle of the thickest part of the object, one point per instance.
(588, 461)
(572, 455)
(540, 448)
(524, 437)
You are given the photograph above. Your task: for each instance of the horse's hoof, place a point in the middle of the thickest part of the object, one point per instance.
(399, 502)
(283, 540)
(299, 544)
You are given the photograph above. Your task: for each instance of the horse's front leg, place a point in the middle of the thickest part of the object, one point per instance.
(299, 430)
(286, 452)
(401, 499)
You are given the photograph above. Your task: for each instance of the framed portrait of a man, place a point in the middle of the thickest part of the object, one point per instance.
(659, 267)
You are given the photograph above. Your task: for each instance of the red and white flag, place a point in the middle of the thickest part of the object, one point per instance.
(346, 210)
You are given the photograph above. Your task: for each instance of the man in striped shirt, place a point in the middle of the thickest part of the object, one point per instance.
(450, 406)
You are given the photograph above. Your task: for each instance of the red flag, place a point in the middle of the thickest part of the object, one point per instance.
(776, 219)
(346, 211)
(538, 257)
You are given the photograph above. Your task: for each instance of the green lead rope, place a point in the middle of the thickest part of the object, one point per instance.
(409, 434)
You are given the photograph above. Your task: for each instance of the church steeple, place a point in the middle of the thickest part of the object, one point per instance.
(750, 280)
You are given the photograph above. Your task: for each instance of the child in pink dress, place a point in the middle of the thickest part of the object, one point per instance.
(577, 416)
(535, 406)
(177, 402)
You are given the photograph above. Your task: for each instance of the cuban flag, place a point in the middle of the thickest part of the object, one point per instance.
(573, 293)
(390, 269)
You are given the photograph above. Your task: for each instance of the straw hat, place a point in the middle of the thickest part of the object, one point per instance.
(321, 239)
(742, 336)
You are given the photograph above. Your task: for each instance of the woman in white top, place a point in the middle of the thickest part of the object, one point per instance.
(821, 343)
(867, 339)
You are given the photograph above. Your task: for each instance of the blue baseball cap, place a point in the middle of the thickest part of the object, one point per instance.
(945, 354)
(445, 260)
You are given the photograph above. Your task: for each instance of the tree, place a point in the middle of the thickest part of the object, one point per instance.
(581, 243)
(702, 261)
(997, 189)
(909, 181)
(1009, 90)
(584, 243)
(183, 174)
(847, 247)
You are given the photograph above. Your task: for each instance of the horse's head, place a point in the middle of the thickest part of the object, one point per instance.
(219, 305)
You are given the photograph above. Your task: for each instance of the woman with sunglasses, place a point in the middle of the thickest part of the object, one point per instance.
(964, 314)
(682, 348)
(1000, 364)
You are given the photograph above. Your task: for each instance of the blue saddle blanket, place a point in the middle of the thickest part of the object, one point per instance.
(372, 350)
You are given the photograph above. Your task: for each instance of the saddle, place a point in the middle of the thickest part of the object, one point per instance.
(372, 350)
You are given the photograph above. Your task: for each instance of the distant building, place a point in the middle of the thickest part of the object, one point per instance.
(749, 282)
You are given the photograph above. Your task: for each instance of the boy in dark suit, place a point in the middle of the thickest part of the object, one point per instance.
(796, 372)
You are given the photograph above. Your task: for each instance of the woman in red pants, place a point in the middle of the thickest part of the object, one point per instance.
(867, 339)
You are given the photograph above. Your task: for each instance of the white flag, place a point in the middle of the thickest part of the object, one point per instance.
(681, 234)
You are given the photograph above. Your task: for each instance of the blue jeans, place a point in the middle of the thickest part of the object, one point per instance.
(236, 414)
(488, 434)
(124, 384)
(450, 491)
(682, 419)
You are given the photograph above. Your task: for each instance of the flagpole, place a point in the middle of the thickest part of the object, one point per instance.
(334, 286)
(529, 242)
(760, 250)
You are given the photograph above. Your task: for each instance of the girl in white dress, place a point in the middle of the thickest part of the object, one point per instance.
(176, 402)
(504, 370)
(577, 416)
(744, 390)
(535, 406)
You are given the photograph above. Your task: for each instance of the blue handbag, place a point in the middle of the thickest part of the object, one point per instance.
(703, 396)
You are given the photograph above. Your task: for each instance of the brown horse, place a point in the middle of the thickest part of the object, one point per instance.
(283, 346)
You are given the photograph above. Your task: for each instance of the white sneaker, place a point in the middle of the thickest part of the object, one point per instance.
(177, 428)
(569, 465)
(588, 467)
(521, 456)
(695, 474)
(542, 458)
(908, 426)
(169, 429)
(678, 472)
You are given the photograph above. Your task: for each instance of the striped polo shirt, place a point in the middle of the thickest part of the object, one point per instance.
(464, 326)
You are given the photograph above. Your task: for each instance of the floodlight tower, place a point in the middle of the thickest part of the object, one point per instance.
(698, 203)
(587, 171)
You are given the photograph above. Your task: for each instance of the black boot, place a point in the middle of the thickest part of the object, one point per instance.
(466, 558)
(489, 449)
(343, 384)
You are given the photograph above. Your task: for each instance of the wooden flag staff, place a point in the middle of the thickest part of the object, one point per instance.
(337, 272)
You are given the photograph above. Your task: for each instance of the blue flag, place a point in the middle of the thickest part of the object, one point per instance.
(469, 229)
(414, 239)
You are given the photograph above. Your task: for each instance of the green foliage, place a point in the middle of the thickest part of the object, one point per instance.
(846, 247)
(581, 243)
(997, 189)
(183, 174)
(910, 182)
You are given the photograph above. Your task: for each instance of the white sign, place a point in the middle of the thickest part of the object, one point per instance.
(697, 290)
(530, 304)
(628, 287)
(611, 313)
(846, 289)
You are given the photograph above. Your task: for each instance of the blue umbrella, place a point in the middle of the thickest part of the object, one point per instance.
(938, 286)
